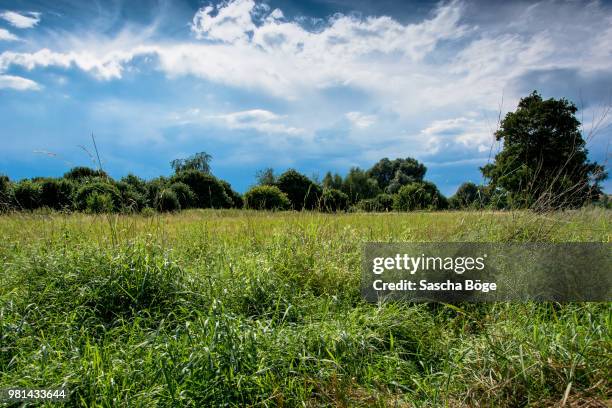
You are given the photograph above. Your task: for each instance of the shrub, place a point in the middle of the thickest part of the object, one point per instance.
(136, 183)
(209, 191)
(132, 200)
(27, 195)
(380, 203)
(6, 193)
(237, 201)
(100, 188)
(302, 192)
(79, 173)
(185, 195)
(97, 203)
(419, 196)
(266, 198)
(166, 200)
(56, 193)
(334, 200)
(154, 187)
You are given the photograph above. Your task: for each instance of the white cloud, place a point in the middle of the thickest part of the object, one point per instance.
(6, 35)
(17, 83)
(467, 132)
(260, 120)
(21, 20)
(361, 120)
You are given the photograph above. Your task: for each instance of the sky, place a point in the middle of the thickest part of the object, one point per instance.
(314, 85)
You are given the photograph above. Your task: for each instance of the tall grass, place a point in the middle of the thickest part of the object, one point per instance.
(246, 308)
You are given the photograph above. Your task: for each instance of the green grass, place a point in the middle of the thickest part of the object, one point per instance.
(235, 308)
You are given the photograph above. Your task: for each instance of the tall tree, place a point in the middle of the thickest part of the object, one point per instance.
(392, 174)
(199, 161)
(543, 163)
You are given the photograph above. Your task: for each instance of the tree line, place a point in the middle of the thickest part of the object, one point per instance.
(543, 165)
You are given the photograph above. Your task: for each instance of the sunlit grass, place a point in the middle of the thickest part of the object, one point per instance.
(234, 308)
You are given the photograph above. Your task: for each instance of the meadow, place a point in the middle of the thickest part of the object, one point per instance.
(254, 308)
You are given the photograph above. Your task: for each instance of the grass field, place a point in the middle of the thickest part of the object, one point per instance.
(235, 308)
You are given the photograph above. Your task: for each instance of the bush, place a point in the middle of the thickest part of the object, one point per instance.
(99, 188)
(98, 203)
(27, 195)
(266, 198)
(6, 193)
(132, 199)
(334, 200)
(469, 195)
(380, 203)
(56, 193)
(237, 201)
(302, 192)
(166, 200)
(419, 196)
(186, 197)
(80, 173)
(209, 191)
(154, 187)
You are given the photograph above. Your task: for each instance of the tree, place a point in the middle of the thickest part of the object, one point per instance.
(543, 163)
(419, 196)
(358, 185)
(302, 192)
(265, 177)
(266, 198)
(208, 189)
(332, 181)
(199, 161)
(80, 173)
(469, 195)
(27, 195)
(56, 193)
(398, 172)
(334, 200)
(184, 194)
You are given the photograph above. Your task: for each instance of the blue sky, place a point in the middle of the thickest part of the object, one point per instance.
(315, 85)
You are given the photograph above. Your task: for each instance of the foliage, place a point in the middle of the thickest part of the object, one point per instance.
(199, 161)
(381, 203)
(266, 198)
(98, 203)
(184, 194)
(334, 181)
(469, 195)
(154, 186)
(6, 193)
(27, 195)
(333, 200)
(56, 193)
(265, 177)
(236, 198)
(133, 197)
(358, 185)
(167, 200)
(209, 191)
(137, 183)
(106, 197)
(419, 196)
(79, 173)
(301, 191)
(543, 163)
(392, 174)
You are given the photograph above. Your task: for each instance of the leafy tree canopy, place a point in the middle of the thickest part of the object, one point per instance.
(199, 161)
(543, 163)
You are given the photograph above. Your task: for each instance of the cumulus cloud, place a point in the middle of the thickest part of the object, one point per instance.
(18, 83)
(6, 35)
(21, 20)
